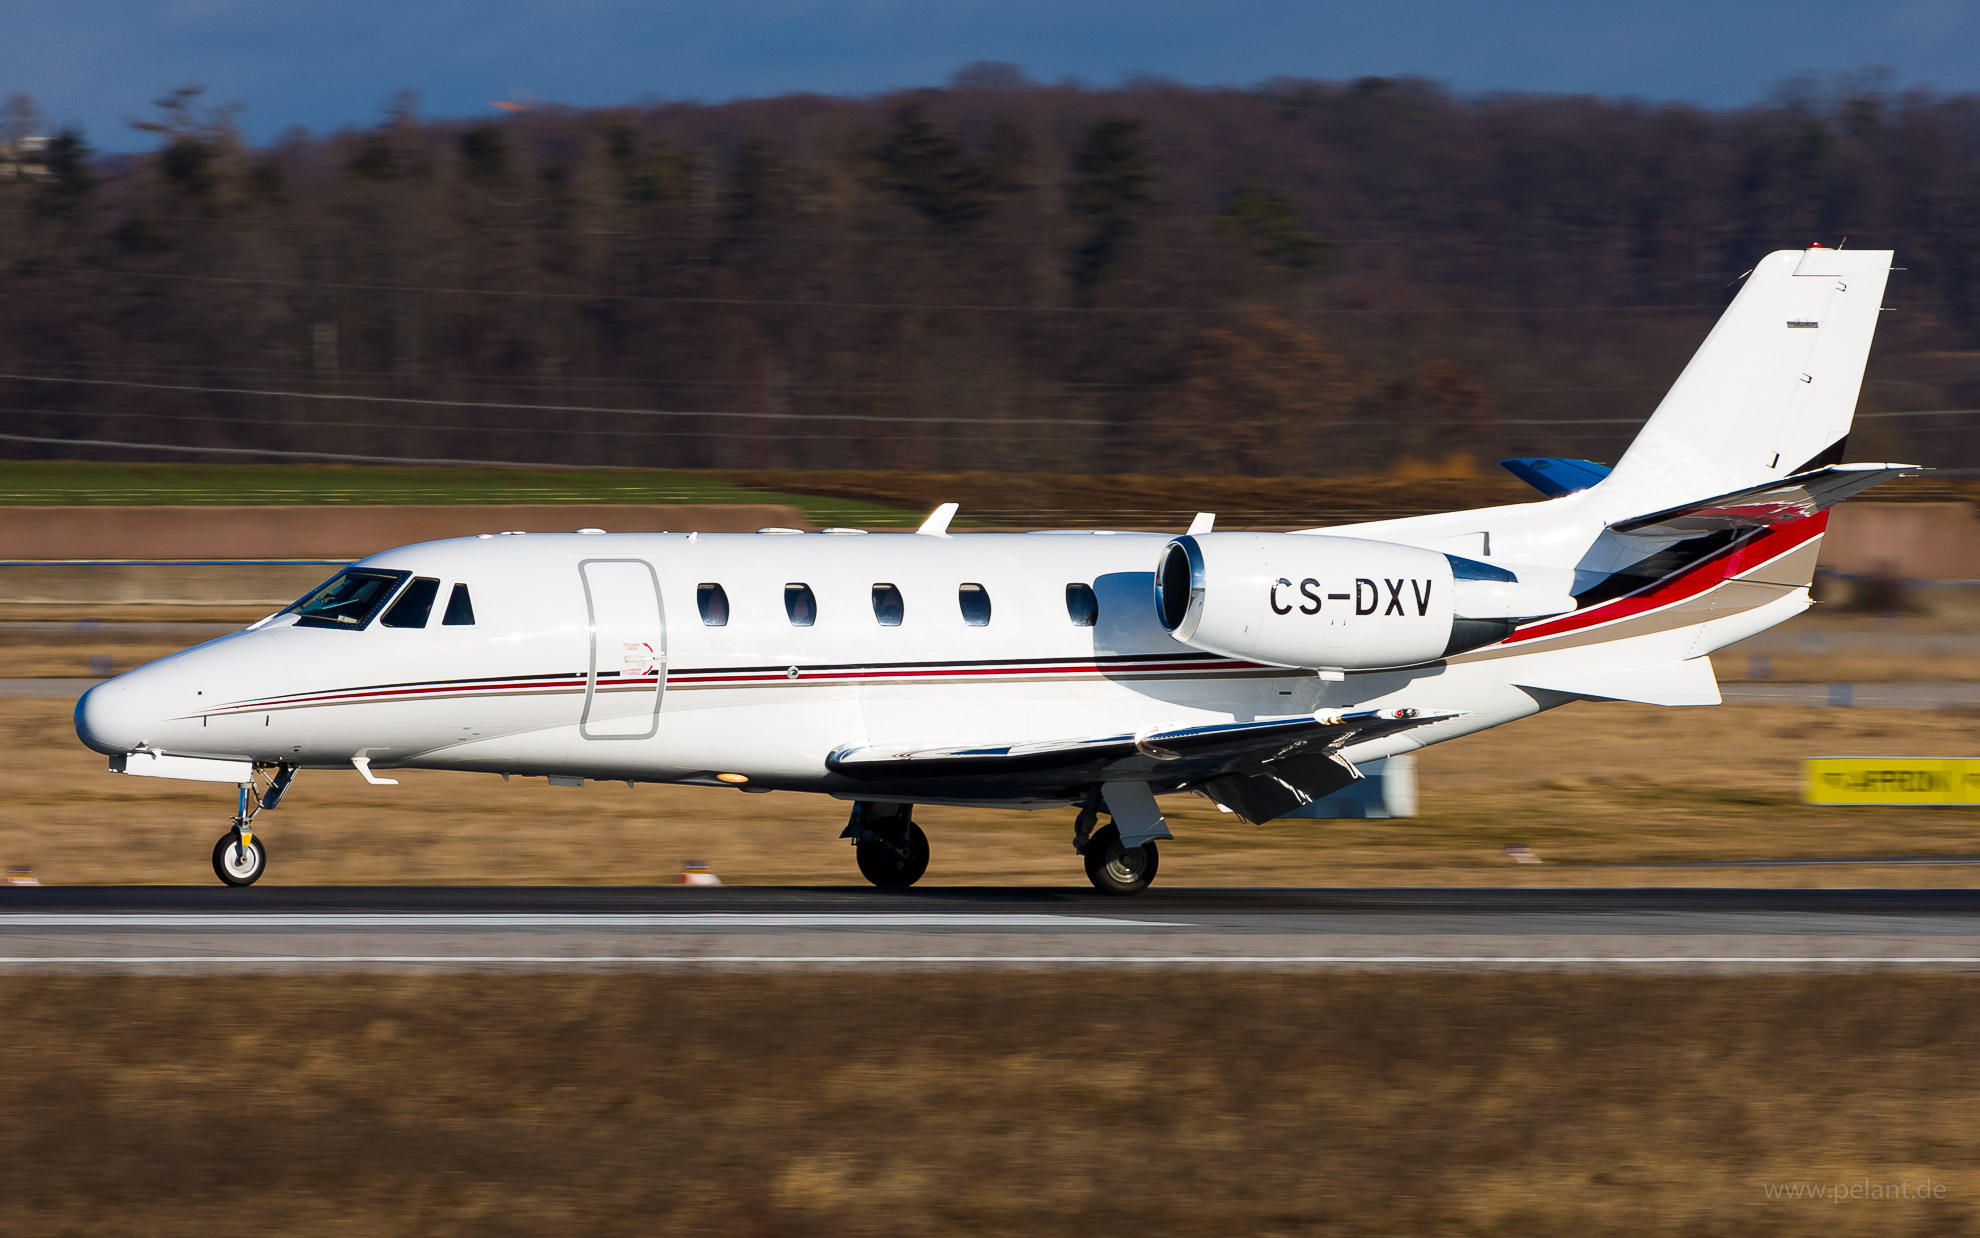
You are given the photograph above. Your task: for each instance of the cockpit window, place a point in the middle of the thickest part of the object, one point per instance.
(347, 600)
(415, 605)
(460, 609)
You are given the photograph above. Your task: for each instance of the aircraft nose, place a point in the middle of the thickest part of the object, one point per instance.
(119, 714)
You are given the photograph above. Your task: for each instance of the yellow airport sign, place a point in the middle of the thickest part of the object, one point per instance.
(1891, 780)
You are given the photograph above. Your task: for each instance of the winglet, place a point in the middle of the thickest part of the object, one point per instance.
(937, 524)
(1202, 524)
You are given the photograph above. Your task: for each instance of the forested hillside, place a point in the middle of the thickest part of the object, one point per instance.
(1304, 278)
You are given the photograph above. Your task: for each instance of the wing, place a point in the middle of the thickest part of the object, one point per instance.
(1780, 502)
(1298, 754)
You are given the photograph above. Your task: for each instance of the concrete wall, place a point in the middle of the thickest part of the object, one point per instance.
(334, 532)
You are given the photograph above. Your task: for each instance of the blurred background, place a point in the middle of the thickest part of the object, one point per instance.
(1380, 276)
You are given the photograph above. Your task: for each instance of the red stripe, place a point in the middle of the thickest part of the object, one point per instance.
(504, 686)
(1699, 578)
(962, 672)
(375, 694)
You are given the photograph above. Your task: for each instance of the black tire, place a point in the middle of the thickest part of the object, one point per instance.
(243, 875)
(1114, 869)
(888, 868)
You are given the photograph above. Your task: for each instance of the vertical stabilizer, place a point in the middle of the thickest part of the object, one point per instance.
(1771, 391)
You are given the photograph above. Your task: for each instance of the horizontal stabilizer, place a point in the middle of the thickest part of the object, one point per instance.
(1555, 476)
(1771, 503)
(1690, 682)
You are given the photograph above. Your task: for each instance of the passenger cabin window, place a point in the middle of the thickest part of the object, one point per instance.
(415, 605)
(713, 600)
(800, 605)
(888, 605)
(460, 609)
(348, 600)
(1082, 606)
(975, 601)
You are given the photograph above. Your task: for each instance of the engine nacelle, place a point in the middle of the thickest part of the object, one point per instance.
(1335, 603)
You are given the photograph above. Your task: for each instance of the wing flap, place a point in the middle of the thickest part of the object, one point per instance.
(1171, 756)
(1279, 787)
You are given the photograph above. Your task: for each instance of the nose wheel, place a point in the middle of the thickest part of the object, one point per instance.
(239, 861)
(239, 858)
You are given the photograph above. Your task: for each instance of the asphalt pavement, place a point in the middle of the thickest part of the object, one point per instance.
(177, 929)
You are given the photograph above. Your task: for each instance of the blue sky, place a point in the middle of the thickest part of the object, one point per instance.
(324, 64)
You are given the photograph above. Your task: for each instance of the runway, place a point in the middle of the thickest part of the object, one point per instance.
(182, 929)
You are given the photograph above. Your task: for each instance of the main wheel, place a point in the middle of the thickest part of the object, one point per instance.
(237, 865)
(889, 868)
(1114, 869)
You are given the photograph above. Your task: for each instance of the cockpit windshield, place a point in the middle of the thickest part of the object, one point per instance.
(348, 600)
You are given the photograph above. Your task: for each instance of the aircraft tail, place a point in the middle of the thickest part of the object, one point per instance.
(1772, 390)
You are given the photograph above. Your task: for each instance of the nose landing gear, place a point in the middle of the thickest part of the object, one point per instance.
(239, 858)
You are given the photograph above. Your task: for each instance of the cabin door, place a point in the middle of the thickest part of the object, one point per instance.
(628, 669)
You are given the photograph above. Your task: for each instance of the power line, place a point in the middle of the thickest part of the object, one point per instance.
(986, 429)
(550, 408)
(345, 457)
(805, 303)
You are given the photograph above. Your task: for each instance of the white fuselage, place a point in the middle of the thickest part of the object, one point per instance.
(573, 668)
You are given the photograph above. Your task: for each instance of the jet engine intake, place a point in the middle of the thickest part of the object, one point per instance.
(1336, 603)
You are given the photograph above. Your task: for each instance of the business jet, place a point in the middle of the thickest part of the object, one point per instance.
(1088, 671)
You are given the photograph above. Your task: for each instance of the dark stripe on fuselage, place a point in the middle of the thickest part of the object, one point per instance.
(1192, 665)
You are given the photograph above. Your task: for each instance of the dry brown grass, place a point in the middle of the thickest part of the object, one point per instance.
(1585, 786)
(1068, 1104)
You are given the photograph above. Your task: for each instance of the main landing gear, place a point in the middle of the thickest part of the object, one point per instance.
(891, 849)
(239, 858)
(1112, 868)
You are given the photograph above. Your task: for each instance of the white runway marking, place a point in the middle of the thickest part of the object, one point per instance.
(249, 920)
(998, 960)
